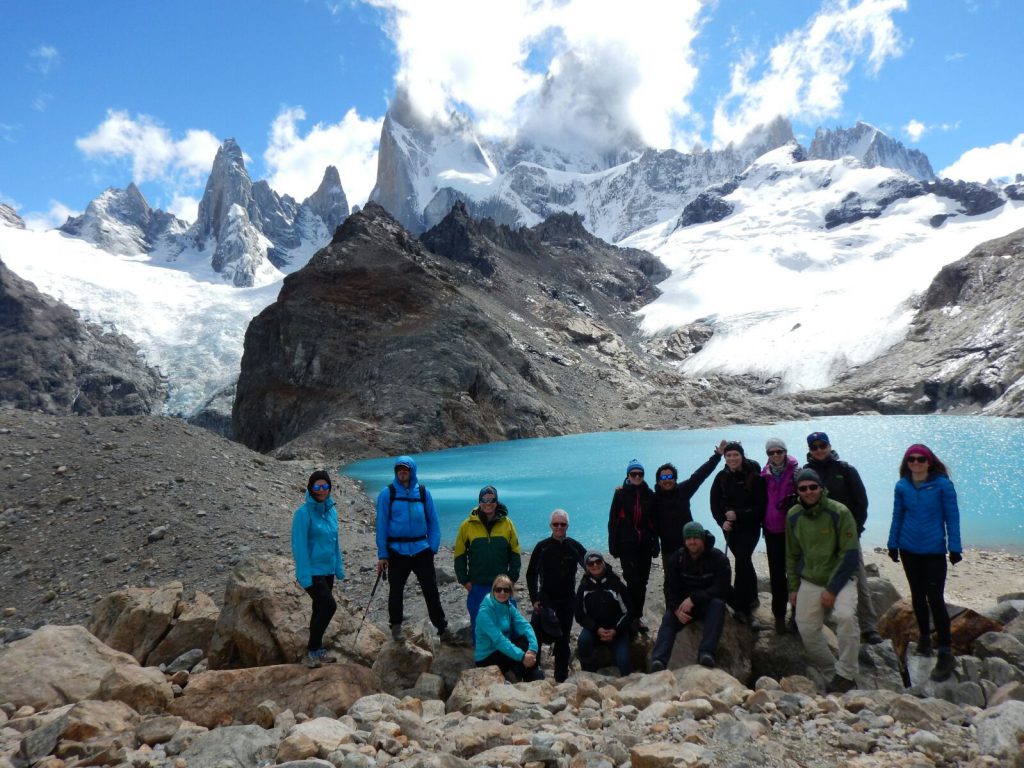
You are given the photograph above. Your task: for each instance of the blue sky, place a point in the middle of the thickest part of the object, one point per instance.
(105, 93)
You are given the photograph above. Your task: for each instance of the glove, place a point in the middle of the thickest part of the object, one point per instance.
(894, 555)
(955, 557)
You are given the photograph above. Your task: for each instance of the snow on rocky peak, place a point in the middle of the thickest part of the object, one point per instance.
(872, 148)
(10, 218)
(790, 297)
(425, 167)
(120, 221)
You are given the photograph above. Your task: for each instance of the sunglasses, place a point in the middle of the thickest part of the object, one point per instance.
(636, 474)
(808, 487)
(488, 501)
(917, 459)
(502, 591)
(321, 487)
(595, 562)
(818, 446)
(559, 525)
(666, 477)
(776, 452)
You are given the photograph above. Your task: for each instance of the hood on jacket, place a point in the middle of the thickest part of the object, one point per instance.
(320, 506)
(407, 461)
(500, 511)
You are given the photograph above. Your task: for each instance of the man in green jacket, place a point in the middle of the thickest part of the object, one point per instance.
(822, 554)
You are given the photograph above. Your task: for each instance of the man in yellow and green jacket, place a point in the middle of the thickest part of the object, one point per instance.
(486, 546)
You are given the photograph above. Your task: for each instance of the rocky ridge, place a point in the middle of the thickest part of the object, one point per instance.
(120, 221)
(56, 363)
(380, 343)
(964, 352)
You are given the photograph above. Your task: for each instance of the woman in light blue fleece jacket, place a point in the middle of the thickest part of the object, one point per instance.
(503, 637)
(317, 556)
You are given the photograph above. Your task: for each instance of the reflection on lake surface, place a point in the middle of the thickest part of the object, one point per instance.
(580, 472)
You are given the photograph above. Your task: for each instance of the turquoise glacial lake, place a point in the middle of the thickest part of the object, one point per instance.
(579, 472)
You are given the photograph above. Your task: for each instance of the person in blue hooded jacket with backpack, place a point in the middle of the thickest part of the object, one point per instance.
(408, 537)
(318, 563)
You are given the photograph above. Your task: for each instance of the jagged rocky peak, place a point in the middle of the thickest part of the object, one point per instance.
(10, 218)
(329, 201)
(227, 185)
(872, 148)
(121, 221)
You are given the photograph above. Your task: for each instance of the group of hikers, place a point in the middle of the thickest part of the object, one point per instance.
(811, 517)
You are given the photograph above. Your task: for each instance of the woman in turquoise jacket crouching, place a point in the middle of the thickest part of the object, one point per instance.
(503, 637)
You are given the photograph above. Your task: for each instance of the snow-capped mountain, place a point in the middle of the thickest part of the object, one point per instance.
(120, 221)
(424, 168)
(805, 267)
(10, 218)
(253, 230)
(872, 148)
(245, 231)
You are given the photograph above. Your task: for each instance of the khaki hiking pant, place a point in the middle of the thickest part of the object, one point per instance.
(810, 620)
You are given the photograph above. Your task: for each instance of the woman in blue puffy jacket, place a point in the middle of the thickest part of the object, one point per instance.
(503, 637)
(317, 556)
(925, 525)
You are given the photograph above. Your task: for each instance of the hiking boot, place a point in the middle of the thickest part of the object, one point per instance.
(310, 661)
(657, 665)
(924, 647)
(706, 660)
(871, 637)
(944, 665)
(396, 631)
(640, 625)
(324, 656)
(445, 635)
(755, 625)
(840, 684)
(780, 625)
(741, 617)
(791, 626)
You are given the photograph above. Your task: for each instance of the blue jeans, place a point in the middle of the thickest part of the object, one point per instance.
(587, 651)
(714, 620)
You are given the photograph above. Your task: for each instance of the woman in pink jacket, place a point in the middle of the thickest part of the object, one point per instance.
(778, 476)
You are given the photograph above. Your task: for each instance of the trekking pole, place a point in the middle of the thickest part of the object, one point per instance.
(382, 574)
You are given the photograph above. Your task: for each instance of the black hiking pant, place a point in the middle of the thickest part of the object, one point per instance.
(926, 575)
(399, 568)
(324, 606)
(636, 572)
(775, 543)
(741, 542)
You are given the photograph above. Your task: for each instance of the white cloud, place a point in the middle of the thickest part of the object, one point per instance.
(184, 207)
(618, 66)
(44, 59)
(41, 101)
(54, 217)
(155, 155)
(296, 163)
(804, 75)
(915, 129)
(997, 162)
(955, 56)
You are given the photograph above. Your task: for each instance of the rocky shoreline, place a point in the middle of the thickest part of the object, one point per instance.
(101, 515)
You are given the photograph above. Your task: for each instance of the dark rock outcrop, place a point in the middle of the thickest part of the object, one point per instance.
(855, 207)
(974, 198)
(54, 362)
(379, 345)
(964, 351)
(707, 206)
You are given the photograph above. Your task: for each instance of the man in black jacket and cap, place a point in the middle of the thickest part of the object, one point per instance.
(697, 580)
(551, 579)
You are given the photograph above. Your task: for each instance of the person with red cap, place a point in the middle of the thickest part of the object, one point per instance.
(925, 525)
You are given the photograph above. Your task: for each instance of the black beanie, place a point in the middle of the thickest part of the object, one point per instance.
(734, 445)
(320, 474)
